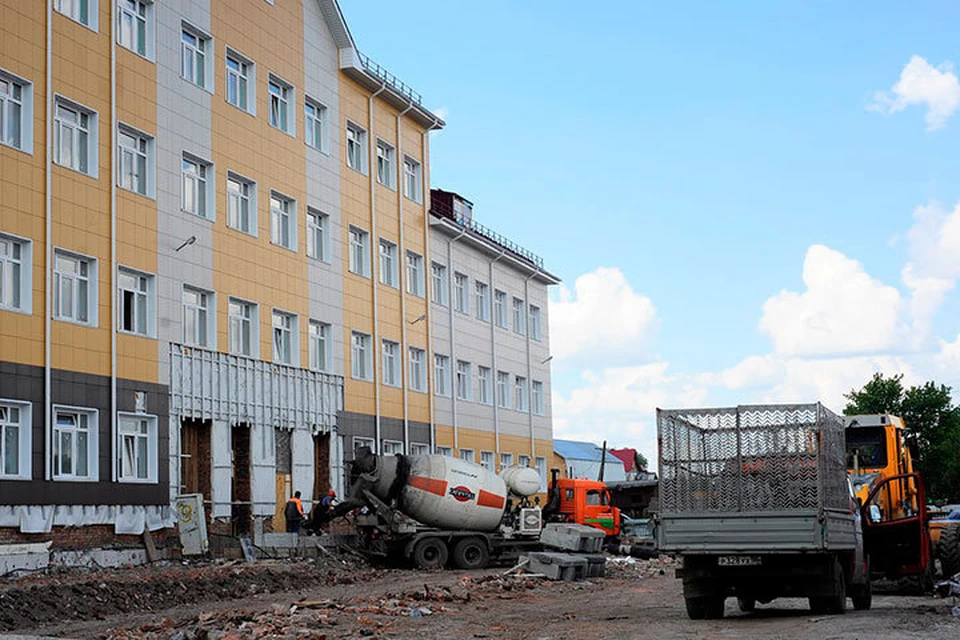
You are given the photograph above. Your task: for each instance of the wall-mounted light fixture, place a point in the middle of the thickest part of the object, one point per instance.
(186, 242)
(420, 319)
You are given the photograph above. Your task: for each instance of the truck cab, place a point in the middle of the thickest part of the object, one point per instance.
(585, 502)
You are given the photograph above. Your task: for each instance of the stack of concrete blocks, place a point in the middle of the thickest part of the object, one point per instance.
(578, 554)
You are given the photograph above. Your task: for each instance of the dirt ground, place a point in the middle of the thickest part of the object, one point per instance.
(336, 598)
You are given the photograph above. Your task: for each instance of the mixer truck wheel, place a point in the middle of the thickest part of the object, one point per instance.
(949, 551)
(430, 553)
(471, 553)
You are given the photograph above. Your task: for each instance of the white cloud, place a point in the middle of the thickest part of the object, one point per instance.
(934, 241)
(602, 318)
(949, 356)
(442, 112)
(843, 309)
(921, 83)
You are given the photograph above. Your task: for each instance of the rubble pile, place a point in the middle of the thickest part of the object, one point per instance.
(629, 567)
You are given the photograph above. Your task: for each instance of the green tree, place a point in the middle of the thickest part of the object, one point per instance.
(932, 422)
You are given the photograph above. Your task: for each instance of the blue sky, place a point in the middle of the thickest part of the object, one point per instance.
(698, 151)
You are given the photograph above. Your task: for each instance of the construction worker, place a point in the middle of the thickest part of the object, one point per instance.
(293, 513)
(321, 513)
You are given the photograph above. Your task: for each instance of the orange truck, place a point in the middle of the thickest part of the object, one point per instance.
(582, 501)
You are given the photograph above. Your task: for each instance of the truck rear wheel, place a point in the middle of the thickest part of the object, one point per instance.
(949, 551)
(471, 553)
(430, 553)
(836, 602)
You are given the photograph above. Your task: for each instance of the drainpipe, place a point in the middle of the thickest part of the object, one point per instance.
(424, 148)
(113, 241)
(48, 258)
(374, 244)
(526, 321)
(453, 345)
(493, 364)
(404, 350)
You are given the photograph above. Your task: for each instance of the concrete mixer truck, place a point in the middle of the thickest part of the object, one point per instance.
(433, 509)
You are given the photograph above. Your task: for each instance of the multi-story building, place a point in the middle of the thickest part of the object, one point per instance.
(490, 345)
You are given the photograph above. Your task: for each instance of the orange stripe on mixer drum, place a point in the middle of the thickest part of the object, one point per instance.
(430, 485)
(487, 499)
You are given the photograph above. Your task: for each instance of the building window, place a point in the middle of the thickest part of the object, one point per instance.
(418, 449)
(414, 274)
(461, 292)
(241, 204)
(138, 448)
(484, 385)
(196, 56)
(135, 157)
(388, 263)
(15, 270)
(359, 443)
(74, 443)
(391, 363)
(137, 301)
(318, 235)
(464, 381)
(356, 148)
(486, 460)
(500, 309)
(506, 460)
(361, 365)
(482, 293)
(503, 389)
(467, 455)
(196, 197)
(444, 451)
(392, 448)
(535, 329)
(135, 26)
(283, 228)
(385, 164)
(519, 317)
(520, 385)
(412, 179)
(441, 374)
(15, 431)
(359, 252)
(284, 338)
(281, 97)
(441, 284)
(16, 112)
(418, 378)
(523, 461)
(75, 137)
(243, 326)
(199, 317)
(320, 347)
(241, 80)
(74, 287)
(316, 124)
(540, 463)
(82, 11)
(538, 403)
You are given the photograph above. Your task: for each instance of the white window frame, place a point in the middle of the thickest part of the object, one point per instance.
(522, 394)
(461, 293)
(281, 207)
(77, 281)
(204, 312)
(78, 134)
(464, 380)
(356, 147)
(236, 198)
(361, 356)
(500, 314)
(24, 427)
(360, 441)
(131, 12)
(419, 449)
(414, 274)
(441, 374)
(537, 398)
(388, 263)
(285, 332)
(284, 97)
(142, 150)
(198, 175)
(534, 324)
(316, 124)
(75, 10)
(16, 274)
(196, 57)
(245, 79)
(523, 461)
(481, 292)
(391, 363)
(444, 451)
(440, 279)
(386, 164)
(484, 385)
(413, 179)
(468, 455)
(418, 369)
(16, 102)
(235, 324)
(540, 464)
(318, 235)
(93, 435)
(506, 461)
(146, 429)
(488, 461)
(503, 390)
(148, 291)
(320, 343)
(392, 447)
(359, 243)
(519, 317)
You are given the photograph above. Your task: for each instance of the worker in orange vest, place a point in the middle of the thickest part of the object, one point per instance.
(293, 513)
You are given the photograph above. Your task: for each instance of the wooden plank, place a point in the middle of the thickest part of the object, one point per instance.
(151, 548)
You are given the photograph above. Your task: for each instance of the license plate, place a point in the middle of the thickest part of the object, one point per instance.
(739, 561)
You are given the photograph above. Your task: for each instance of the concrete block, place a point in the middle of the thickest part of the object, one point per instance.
(557, 566)
(572, 537)
(596, 565)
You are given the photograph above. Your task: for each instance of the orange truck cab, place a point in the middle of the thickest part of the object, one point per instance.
(584, 502)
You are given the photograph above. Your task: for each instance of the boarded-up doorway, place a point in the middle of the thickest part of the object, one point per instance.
(242, 470)
(321, 476)
(195, 457)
